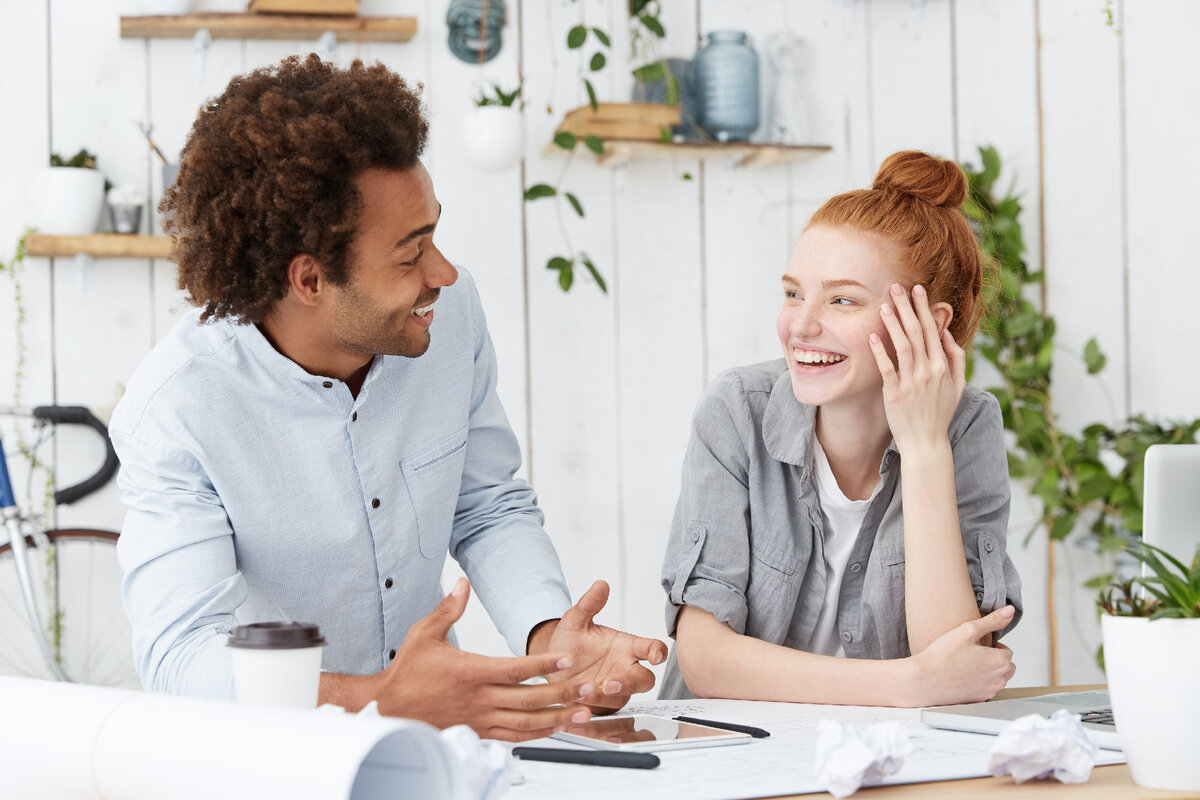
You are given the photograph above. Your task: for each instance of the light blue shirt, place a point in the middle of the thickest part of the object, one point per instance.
(257, 491)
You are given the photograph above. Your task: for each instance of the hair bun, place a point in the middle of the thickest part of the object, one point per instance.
(935, 180)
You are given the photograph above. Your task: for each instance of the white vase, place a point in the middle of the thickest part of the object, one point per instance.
(492, 138)
(66, 200)
(1152, 670)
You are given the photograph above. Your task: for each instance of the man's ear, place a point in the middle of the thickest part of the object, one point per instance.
(306, 281)
(943, 313)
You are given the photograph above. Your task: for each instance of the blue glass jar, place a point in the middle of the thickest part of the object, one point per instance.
(725, 76)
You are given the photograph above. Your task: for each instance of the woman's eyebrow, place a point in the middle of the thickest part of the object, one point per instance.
(834, 284)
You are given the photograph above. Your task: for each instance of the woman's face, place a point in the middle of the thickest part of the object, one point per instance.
(835, 284)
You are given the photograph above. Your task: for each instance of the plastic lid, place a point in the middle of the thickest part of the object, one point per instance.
(276, 636)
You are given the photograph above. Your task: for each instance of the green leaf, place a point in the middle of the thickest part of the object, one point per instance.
(1092, 356)
(653, 25)
(602, 36)
(597, 63)
(650, 72)
(576, 37)
(591, 92)
(672, 98)
(664, 134)
(565, 139)
(1062, 527)
(540, 190)
(558, 263)
(566, 277)
(587, 262)
(574, 201)
(594, 143)
(687, 176)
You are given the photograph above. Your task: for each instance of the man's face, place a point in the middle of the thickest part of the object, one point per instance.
(396, 272)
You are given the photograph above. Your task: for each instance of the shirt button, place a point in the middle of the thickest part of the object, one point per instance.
(856, 567)
(387, 584)
(695, 536)
(328, 384)
(354, 417)
(846, 637)
(988, 546)
(391, 655)
(375, 503)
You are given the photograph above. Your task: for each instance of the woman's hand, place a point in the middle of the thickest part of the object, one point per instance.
(922, 388)
(956, 668)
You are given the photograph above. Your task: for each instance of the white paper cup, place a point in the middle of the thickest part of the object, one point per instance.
(277, 663)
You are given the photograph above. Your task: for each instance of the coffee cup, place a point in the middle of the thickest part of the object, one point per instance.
(277, 663)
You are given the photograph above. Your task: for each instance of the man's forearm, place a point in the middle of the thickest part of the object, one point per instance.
(539, 637)
(351, 692)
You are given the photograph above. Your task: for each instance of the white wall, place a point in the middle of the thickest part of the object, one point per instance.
(1094, 127)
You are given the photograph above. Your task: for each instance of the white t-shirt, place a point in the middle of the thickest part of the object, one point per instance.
(843, 518)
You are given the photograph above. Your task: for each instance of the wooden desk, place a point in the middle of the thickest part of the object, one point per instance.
(1107, 783)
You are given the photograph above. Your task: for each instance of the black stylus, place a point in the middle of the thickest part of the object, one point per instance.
(757, 733)
(596, 758)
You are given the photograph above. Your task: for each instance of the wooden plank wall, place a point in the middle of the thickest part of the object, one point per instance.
(1095, 129)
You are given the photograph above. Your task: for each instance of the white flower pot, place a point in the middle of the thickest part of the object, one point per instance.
(492, 138)
(1153, 670)
(66, 200)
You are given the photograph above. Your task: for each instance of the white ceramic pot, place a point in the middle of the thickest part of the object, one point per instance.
(1152, 670)
(66, 200)
(492, 138)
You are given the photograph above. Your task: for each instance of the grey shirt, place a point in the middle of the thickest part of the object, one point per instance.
(746, 540)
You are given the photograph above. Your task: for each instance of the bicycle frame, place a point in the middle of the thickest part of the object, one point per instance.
(12, 514)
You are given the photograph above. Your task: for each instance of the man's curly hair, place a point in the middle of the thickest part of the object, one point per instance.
(268, 172)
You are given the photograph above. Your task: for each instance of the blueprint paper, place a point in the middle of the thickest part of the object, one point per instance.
(782, 764)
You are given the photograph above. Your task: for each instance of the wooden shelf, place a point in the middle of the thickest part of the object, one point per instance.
(740, 154)
(98, 245)
(271, 26)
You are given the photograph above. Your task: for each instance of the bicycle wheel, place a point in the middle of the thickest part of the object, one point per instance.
(77, 581)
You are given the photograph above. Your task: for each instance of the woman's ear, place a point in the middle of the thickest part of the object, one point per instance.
(943, 313)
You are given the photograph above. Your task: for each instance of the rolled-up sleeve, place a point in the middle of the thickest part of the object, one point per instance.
(707, 561)
(981, 483)
(181, 585)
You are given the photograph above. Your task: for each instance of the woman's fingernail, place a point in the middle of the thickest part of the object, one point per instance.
(886, 310)
(919, 290)
(874, 338)
(897, 289)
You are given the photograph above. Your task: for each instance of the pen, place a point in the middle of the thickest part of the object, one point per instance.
(757, 733)
(596, 758)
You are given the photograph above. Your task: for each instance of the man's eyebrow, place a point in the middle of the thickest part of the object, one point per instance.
(422, 231)
(788, 279)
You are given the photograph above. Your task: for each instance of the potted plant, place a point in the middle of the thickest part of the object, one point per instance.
(1151, 629)
(68, 195)
(492, 135)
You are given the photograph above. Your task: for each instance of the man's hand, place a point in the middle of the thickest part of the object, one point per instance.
(604, 658)
(956, 668)
(433, 681)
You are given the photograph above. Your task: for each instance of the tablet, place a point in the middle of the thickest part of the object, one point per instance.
(643, 733)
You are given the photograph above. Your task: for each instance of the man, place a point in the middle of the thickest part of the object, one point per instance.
(309, 442)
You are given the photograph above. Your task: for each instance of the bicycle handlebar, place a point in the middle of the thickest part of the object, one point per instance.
(79, 415)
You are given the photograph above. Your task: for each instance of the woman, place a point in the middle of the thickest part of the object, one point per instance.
(840, 533)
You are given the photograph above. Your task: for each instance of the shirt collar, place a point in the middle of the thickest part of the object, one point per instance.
(788, 427)
(271, 359)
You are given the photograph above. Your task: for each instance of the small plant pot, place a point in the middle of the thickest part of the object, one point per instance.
(492, 137)
(1151, 668)
(67, 200)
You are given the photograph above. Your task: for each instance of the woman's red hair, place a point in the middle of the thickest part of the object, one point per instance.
(915, 202)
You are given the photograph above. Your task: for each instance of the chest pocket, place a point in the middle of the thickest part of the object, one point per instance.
(433, 478)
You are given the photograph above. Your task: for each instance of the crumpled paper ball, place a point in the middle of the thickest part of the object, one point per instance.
(849, 758)
(1033, 748)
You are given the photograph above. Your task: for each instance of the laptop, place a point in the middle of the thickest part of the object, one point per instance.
(1171, 508)
(1094, 709)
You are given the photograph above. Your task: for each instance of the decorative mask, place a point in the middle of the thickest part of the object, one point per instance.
(475, 29)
